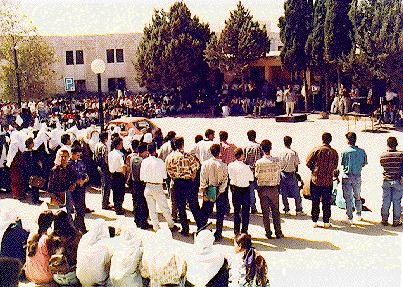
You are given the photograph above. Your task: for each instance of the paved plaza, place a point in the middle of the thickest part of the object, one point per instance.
(367, 254)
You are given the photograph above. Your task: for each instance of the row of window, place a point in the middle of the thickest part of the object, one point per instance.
(113, 85)
(111, 55)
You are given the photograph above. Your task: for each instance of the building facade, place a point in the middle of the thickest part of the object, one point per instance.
(118, 51)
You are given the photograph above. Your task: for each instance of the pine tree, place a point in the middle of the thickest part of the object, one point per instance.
(241, 42)
(170, 54)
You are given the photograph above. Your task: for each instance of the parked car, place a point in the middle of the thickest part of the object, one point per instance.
(137, 123)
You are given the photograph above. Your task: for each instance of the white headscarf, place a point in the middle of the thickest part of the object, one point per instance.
(17, 143)
(8, 215)
(73, 132)
(127, 141)
(93, 139)
(204, 262)
(55, 138)
(41, 138)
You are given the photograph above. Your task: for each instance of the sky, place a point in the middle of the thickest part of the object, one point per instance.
(81, 17)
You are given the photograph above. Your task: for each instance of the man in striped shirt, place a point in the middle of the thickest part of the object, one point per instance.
(322, 161)
(392, 163)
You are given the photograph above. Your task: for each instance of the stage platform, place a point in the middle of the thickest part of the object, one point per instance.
(296, 118)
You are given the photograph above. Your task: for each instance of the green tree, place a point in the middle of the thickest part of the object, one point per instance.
(241, 42)
(34, 56)
(295, 26)
(170, 54)
(378, 41)
(338, 33)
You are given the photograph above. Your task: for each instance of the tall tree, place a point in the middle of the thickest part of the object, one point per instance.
(170, 54)
(294, 29)
(241, 42)
(34, 56)
(378, 39)
(338, 33)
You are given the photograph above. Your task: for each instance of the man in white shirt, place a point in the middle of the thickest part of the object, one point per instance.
(153, 173)
(240, 176)
(267, 174)
(117, 168)
(202, 150)
(279, 101)
(166, 148)
(288, 183)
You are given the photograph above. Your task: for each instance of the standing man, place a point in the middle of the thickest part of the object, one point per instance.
(213, 182)
(166, 148)
(240, 176)
(289, 184)
(139, 201)
(76, 198)
(182, 168)
(392, 163)
(153, 173)
(267, 174)
(117, 168)
(353, 159)
(101, 160)
(227, 156)
(322, 161)
(202, 150)
(279, 101)
(252, 152)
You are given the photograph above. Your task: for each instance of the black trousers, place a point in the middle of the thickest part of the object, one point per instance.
(105, 186)
(319, 193)
(184, 192)
(140, 208)
(221, 207)
(118, 188)
(241, 203)
(5, 179)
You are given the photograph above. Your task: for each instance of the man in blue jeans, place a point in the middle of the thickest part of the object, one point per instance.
(392, 163)
(353, 159)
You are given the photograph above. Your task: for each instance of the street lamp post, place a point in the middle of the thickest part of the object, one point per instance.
(98, 67)
(17, 75)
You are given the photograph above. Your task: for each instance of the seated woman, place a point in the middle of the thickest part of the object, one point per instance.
(162, 262)
(64, 250)
(248, 267)
(13, 237)
(37, 268)
(127, 255)
(206, 266)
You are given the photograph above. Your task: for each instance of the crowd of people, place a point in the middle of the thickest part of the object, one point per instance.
(65, 163)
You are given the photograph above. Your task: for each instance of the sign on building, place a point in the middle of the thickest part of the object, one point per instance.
(69, 85)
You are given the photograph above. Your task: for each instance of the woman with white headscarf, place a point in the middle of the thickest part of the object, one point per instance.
(206, 266)
(93, 256)
(126, 258)
(15, 163)
(162, 263)
(127, 140)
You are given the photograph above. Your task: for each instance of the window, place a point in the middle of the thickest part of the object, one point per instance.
(79, 57)
(112, 84)
(80, 86)
(69, 58)
(110, 56)
(119, 56)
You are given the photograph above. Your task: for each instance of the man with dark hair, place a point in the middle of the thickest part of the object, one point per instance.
(392, 163)
(117, 168)
(166, 148)
(66, 141)
(202, 150)
(182, 168)
(101, 160)
(213, 183)
(153, 173)
(10, 272)
(289, 184)
(353, 159)
(252, 153)
(240, 177)
(140, 209)
(76, 198)
(267, 175)
(322, 161)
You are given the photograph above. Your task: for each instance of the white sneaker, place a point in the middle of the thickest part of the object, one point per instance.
(315, 224)
(350, 221)
(327, 225)
(358, 218)
(300, 213)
